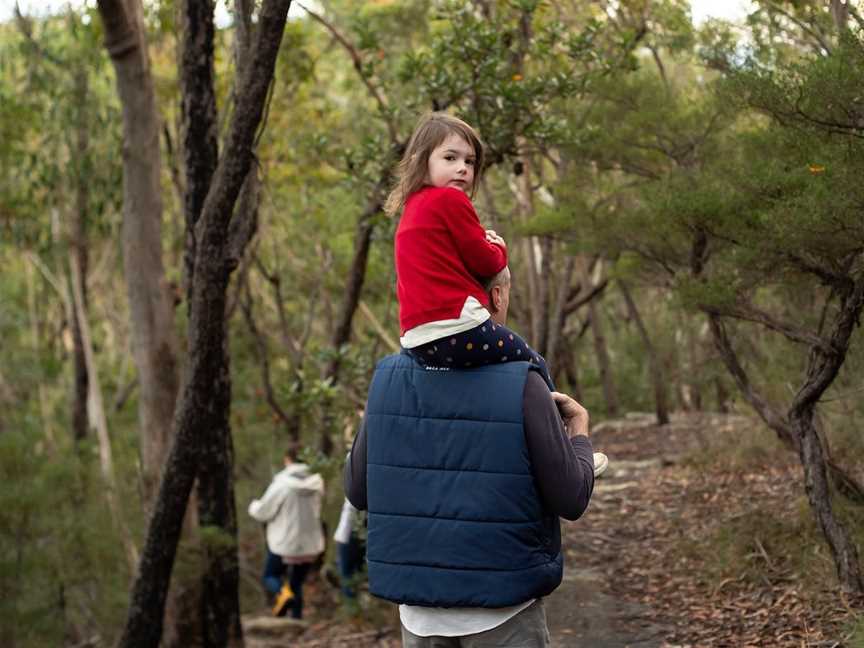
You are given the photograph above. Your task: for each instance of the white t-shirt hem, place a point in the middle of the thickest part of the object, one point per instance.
(473, 314)
(455, 622)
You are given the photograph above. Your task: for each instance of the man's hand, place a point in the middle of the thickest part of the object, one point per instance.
(575, 416)
(493, 237)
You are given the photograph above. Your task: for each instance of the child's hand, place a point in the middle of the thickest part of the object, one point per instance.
(492, 237)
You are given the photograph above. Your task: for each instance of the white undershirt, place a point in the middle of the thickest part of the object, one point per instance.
(455, 622)
(473, 314)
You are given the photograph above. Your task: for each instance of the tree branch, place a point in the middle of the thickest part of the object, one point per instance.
(750, 313)
(767, 412)
(383, 109)
(262, 353)
(25, 26)
(244, 223)
(807, 29)
(578, 302)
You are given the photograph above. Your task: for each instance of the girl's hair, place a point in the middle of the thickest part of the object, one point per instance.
(430, 132)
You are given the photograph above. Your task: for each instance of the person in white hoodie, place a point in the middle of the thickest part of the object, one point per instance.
(291, 509)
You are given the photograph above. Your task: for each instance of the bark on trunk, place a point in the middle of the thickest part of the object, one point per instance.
(661, 406)
(198, 107)
(154, 340)
(841, 544)
(604, 365)
(203, 434)
(219, 623)
(822, 369)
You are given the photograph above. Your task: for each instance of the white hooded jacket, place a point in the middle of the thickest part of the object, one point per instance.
(291, 507)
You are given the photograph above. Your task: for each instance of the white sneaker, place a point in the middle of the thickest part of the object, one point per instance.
(601, 463)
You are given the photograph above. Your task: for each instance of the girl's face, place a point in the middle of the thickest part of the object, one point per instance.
(451, 164)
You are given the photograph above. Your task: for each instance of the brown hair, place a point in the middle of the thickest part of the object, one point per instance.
(432, 129)
(292, 451)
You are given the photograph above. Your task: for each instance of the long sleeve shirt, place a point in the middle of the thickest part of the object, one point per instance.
(441, 255)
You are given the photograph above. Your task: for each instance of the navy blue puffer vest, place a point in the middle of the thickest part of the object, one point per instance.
(455, 519)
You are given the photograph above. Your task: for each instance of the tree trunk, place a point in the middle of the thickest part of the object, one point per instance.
(96, 415)
(348, 307)
(558, 317)
(544, 297)
(216, 595)
(843, 549)
(531, 249)
(46, 419)
(694, 386)
(604, 365)
(203, 439)
(571, 371)
(770, 415)
(722, 396)
(154, 340)
(822, 368)
(661, 406)
(198, 109)
(78, 244)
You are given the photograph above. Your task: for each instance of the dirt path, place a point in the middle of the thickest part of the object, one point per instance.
(584, 610)
(635, 564)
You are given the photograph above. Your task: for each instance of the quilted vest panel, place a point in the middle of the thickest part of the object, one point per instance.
(454, 515)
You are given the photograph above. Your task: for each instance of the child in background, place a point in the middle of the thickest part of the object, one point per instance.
(443, 254)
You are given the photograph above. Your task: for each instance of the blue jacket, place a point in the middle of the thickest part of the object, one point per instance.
(454, 516)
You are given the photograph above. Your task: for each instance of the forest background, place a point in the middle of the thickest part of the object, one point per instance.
(682, 204)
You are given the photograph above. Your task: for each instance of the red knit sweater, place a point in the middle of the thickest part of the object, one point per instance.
(441, 253)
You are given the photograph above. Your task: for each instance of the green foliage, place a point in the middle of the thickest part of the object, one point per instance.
(638, 148)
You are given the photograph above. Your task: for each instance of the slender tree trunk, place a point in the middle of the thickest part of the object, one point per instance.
(96, 411)
(722, 396)
(218, 624)
(840, 14)
(604, 364)
(202, 422)
(198, 109)
(694, 361)
(558, 317)
(544, 297)
(816, 484)
(78, 244)
(822, 369)
(154, 340)
(46, 419)
(531, 248)
(571, 371)
(348, 307)
(661, 406)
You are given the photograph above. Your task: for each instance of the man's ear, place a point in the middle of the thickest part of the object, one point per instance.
(495, 297)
